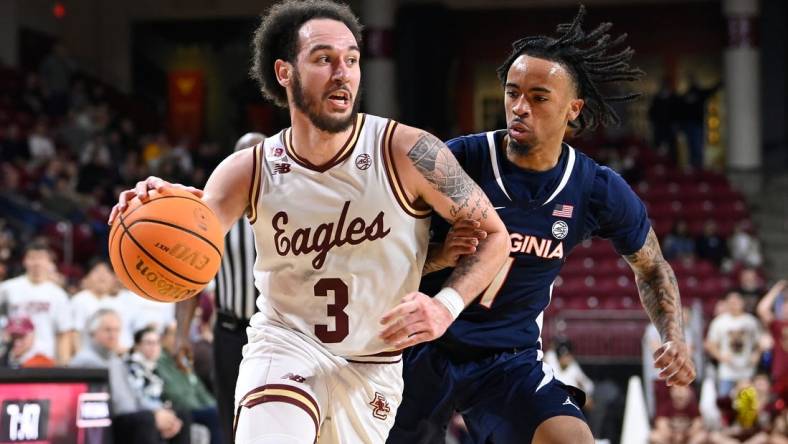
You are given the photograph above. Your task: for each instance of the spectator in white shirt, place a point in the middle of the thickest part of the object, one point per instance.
(99, 290)
(46, 304)
(744, 247)
(733, 341)
(145, 311)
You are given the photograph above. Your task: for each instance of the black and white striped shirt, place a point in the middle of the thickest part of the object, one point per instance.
(235, 290)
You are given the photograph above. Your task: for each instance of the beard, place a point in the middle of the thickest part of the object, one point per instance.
(322, 122)
(519, 148)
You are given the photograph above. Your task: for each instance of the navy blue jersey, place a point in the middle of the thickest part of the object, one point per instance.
(547, 214)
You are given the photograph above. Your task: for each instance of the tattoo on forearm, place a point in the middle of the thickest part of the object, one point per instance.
(436, 163)
(658, 288)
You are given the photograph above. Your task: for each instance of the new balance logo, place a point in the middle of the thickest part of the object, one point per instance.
(569, 402)
(281, 168)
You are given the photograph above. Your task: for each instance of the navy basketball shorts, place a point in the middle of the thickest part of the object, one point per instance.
(503, 397)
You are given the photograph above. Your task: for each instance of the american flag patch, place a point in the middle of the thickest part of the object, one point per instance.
(563, 210)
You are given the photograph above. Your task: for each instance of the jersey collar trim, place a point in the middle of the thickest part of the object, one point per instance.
(340, 156)
(495, 166)
(570, 165)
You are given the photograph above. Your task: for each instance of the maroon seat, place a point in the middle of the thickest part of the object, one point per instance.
(606, 267)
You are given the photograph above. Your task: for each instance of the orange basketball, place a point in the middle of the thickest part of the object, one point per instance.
(168, 248)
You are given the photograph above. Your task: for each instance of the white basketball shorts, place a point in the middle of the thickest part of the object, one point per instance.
(346, 402)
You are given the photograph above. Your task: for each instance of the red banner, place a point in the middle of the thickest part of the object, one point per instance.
(186, 104)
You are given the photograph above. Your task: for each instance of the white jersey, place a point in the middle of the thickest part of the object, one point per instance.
(85, 304)
(337, 245)
(143, 312)
(47, 306)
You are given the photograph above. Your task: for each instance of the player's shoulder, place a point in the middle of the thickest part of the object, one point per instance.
(602, 180)
(232, 177)
(406, 139)
(606, 180)
(372, 121)
(470, 142)
(243, 155)
(406, 136)
(592, 165)
(238, 165)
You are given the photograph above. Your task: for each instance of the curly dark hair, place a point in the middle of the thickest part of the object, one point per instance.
(585, 57)
(277, 38)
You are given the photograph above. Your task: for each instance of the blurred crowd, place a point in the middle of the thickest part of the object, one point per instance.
(741, 248)
(105, 326)
(741, 395)
(67, 149)
(65, 153)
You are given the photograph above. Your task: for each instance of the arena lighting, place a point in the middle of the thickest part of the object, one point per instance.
(58, 10)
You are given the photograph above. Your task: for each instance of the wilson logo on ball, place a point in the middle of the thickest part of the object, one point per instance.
(164, 286)
(167, 248)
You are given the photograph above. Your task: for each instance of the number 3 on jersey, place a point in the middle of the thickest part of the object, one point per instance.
(337, 310)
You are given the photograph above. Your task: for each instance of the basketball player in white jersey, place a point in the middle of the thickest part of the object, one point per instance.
(339, 204)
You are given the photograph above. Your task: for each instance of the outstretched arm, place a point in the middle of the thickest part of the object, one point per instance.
(659, 293)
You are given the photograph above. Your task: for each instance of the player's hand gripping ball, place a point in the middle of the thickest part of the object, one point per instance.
(167, 248)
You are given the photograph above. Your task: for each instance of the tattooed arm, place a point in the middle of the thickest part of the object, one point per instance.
(432, 175)
(658, 288)
(659, 293)
(433, 178)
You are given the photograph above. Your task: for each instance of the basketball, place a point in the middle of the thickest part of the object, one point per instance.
(168, 248)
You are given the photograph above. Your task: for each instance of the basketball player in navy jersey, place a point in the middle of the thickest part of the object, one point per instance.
(487, 366)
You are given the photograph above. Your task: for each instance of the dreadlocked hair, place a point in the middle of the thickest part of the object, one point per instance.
(591, 58)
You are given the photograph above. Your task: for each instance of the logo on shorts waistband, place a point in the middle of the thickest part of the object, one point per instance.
(380, 407)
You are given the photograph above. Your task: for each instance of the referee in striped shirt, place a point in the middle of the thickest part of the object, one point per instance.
(235, 296)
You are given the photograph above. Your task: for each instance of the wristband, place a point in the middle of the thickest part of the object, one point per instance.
(451, 300)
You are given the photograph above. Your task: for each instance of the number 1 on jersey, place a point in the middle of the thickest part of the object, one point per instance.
(337, 310)
(495, 286)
